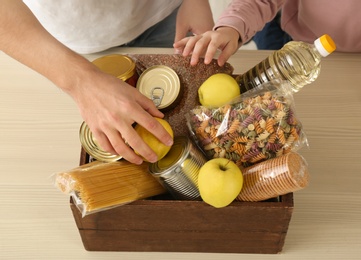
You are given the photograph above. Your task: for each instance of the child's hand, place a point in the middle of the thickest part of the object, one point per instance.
(224, 38)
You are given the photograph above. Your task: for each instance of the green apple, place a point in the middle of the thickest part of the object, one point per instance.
(219, 181)
(218, 90)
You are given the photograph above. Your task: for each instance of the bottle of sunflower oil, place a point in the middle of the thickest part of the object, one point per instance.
(297, 62)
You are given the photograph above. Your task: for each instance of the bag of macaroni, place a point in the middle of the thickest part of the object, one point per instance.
(258, 125)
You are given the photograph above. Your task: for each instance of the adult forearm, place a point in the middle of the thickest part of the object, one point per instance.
(23, 38)
(199, 8)
(195, 17)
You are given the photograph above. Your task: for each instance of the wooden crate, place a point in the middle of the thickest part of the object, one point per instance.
(165, 225)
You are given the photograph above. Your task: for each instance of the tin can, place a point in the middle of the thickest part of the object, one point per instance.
(161, 84)
(91, 146)
(120, 66)
(178, 170)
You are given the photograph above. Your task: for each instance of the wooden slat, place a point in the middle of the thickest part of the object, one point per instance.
(160, 241)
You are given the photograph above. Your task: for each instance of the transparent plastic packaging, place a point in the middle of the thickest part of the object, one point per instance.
(99, 186)
(298, 62)
(274, 177)
(259, 125)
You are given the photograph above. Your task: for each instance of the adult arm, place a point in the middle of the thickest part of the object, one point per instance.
(193, 16)
(107, 104)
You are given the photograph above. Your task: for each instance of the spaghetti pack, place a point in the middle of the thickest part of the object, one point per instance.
(98, 186)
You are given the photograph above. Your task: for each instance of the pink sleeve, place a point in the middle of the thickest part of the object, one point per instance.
(248, 16)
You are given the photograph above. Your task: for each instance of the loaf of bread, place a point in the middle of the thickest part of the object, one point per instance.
(191, 78)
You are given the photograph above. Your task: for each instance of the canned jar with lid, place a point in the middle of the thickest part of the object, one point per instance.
(120, 66)
(178, 170)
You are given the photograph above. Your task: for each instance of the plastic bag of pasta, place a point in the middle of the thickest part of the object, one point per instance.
(99, 186)
(258, 125)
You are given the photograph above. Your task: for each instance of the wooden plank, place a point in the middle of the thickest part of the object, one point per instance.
(188, 216)
(161, 241)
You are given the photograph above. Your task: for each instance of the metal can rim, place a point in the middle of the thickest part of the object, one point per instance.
(185, 144)
(175, 84)
(90, 145)
(121, 60)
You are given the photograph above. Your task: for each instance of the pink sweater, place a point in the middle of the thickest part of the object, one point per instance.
(303, 20)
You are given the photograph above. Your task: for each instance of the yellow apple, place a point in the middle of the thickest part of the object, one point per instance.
(218, 90)
(157, 146)
(219, 181)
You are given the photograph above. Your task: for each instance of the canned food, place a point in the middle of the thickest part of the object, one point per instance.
(161, 84)
(178, 170)
(120, 66)
(91, 146)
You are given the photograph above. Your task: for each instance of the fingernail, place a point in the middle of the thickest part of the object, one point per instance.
(169, 142)
(138, 162)
(153, 159)
(177, 51)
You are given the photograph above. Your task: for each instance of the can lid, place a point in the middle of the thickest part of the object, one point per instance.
(118, 65)
(176, 155)
(161, 84)
(325, 45)
(91, 146)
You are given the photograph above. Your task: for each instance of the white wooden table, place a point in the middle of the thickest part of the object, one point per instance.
(39, 137)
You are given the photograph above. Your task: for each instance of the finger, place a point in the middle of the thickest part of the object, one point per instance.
(178, 50)
(144, 119)
(114, 144)
(179, 46)
(138, 144)
(181, 43)
(188, 49)
(149, 106)
(226, 54)
(103, 142)
(211, 51)
(121, 148)
(155, 128)
(199, 50)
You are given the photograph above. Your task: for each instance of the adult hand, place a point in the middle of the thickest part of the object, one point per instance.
(195, 17)
(110, 107)
(225, 39)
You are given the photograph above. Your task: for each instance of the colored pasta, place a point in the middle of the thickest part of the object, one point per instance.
(258, 127)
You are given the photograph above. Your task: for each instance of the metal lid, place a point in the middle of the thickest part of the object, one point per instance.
(118, 65)
(91, 146)
(176, 155)
(161, 84)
